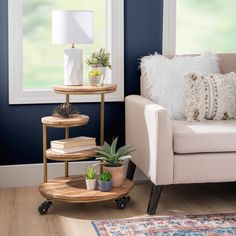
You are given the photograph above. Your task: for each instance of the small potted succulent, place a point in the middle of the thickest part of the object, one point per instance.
(101, 59)
(90, 177)
(104, 181)
(113, 161)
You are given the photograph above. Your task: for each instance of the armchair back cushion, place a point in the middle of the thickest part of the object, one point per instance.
(227, 62)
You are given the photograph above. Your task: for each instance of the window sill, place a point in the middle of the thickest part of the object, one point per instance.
(48, 96)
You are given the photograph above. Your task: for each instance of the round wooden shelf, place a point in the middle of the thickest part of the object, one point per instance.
(73, 189)
(57, 122)
(85, 89)
(76, 156)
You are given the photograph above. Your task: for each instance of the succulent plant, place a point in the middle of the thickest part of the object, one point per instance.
(99, 58)
(108, 155)
(105, 176)
(65, 111)
(90, 172)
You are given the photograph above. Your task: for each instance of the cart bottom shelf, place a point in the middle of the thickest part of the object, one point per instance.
(73, 189)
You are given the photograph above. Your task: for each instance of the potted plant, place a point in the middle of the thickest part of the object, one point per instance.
(95, 75)
(90, 177)
(101, 59)
(104, 182)
(64, 111)
(113, 161)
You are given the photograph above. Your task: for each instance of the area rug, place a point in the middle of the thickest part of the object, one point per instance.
(219, 224)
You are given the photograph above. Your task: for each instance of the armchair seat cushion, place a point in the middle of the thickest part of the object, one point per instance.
(204, 137)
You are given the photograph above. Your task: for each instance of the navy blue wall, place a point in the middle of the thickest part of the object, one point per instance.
(20, 127)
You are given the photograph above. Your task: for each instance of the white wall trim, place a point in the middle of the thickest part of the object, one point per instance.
(32, 174)
(115, 34)
(169, 27)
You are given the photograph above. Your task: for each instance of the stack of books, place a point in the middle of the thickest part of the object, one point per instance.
(71, 145)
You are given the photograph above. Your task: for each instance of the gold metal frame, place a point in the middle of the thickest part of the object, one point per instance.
(45, 174)
(102, 110)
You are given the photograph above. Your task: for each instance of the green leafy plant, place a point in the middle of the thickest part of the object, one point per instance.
(105, 176)
(65, 111)
(90, 172)
(99, 58)
(108, 155)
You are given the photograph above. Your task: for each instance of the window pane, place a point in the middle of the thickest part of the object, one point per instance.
(42, 60)
(205, 26)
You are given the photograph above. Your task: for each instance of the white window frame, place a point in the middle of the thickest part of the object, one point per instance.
(169, 28)
(115, 45)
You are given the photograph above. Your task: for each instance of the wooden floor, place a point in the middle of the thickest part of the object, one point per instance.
(19, 216)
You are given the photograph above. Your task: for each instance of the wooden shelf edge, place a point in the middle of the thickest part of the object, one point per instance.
(86, 89)
(57, 122)
(72, 189)
(82, 155)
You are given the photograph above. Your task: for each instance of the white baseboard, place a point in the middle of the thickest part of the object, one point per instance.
(32, 174)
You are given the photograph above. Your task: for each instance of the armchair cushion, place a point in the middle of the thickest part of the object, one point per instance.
(204, 137)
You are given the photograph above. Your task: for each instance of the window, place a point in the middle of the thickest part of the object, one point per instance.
(36, 65)
(195, 26)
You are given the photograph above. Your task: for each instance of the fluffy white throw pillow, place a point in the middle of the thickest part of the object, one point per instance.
(163, 79)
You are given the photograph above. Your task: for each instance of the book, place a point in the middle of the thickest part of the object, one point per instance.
(73, 149)
(73, 142)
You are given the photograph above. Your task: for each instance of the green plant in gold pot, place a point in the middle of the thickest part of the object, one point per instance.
(113, 160)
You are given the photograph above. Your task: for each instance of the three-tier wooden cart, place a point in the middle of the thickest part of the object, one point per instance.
(72, 189)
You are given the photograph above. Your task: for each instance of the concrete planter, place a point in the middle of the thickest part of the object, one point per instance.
(104, 186)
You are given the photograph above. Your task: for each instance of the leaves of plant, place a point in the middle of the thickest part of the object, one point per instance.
(113, 146)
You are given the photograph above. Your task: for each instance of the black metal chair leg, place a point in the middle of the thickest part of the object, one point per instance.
(130, 170)
(154, 199)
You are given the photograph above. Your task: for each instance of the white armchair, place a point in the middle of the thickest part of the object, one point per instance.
(177, 152)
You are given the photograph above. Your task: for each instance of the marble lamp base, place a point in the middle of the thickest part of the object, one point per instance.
(73, 66)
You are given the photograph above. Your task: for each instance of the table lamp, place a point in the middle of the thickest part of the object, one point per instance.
(71, 27)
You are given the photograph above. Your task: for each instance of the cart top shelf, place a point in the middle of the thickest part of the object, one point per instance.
(85, 89)
(58, 122)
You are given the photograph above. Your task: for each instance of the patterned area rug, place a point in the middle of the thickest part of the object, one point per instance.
(220, 224)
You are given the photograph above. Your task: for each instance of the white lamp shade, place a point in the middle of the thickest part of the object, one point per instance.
(72, 27)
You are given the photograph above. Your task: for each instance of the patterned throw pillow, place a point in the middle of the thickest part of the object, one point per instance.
(211, 97)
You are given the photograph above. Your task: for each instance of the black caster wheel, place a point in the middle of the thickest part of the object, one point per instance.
(44, 207)
(122, 202)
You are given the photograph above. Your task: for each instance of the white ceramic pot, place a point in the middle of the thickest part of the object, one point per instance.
(91, 183)
(94, 80)
(104, 72)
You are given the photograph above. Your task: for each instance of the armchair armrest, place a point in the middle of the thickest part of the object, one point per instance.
(149, 131)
